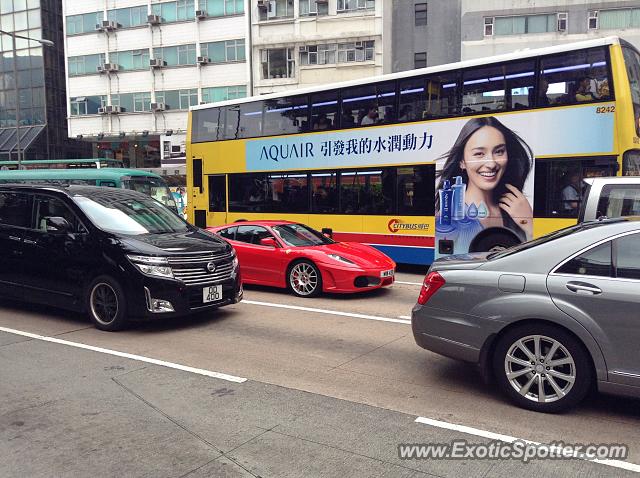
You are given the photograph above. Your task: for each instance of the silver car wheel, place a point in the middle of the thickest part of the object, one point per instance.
(104, 303)
(303, 279)
(540, 368)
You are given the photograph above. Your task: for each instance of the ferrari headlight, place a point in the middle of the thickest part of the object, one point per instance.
(152, 266)
(338, 258)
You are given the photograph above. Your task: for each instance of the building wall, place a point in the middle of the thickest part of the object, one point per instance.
(141, 127)
(439, 38)
(299, 30)
(476, 45)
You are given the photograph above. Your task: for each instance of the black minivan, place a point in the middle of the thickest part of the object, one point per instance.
(114, 253)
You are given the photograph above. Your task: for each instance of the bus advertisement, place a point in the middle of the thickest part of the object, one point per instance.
(459, 158)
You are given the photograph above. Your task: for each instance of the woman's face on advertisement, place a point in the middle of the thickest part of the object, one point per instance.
(485, 158)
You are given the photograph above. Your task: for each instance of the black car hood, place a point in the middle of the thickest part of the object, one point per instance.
(194, 240)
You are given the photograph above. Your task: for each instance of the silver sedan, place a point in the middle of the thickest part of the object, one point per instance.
(548, 319)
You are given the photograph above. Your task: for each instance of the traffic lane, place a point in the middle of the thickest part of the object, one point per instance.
(65, 411)
(369, 362)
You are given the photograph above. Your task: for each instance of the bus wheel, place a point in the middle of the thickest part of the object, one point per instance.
(107, 304)
(498, 241)
(304, 279)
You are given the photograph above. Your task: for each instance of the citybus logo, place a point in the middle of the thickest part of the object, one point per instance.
(396, 225)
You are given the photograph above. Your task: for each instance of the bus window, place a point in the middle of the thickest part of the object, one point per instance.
(244, 120)
(288, 193)
(324, 193)
(324, 110)
(574, 77)
(367, 192)
(416, 190)
(208, 125)
(631, 163)
(154, 187)
(368, 105)
(483, 89)
(247, 192)
(217, 194)
(286, 115)
(632, 61)
(428, 97)
(520, 79)
(558, 184)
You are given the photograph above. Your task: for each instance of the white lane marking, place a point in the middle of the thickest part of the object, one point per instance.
(139, 358)
(329, 312)
(625, 465)
(404, 317)
(407, 283)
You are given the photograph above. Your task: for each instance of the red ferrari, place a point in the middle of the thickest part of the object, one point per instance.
(288, 254)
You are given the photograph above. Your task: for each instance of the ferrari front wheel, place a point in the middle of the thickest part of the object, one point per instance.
(304, 279)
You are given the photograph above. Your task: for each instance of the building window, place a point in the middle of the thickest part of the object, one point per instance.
(278, 63)
(128, 17)
(123, 100)
(141, 102)
(85, 65)
(563, 20)
(313, 7)
(224, 51)
(488, 26)
(352, 5)
(421, 14)
(219, 8)
(592, 22)
(618, 19)
(131, 60)
(86, 105)
(277, 9)
(420, 60)
(355, 51)
(180, 10)
(520, 25)
(84, 23)
(176, 55)
(178, 99)
(223, 93)
(318, 54)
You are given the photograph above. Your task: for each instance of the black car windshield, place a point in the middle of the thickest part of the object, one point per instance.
(298, 235)
(130, 215)
(154, 187)
(544, 239)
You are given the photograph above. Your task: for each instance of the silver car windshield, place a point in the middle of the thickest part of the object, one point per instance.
(130, 215)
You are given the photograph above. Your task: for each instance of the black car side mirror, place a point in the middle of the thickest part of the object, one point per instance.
(57, 224)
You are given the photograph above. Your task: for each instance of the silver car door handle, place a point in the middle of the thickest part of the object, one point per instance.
(29, 241)
(583, 287)
(14, 238)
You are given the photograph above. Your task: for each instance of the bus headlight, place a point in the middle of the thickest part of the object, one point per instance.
(152, 266)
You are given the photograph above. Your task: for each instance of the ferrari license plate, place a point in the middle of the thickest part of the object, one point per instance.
(388, 273)
(212, 293)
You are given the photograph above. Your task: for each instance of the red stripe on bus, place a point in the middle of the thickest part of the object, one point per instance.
(385, 239)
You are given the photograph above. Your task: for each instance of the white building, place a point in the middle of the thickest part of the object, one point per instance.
(309, 42)
(134, 67)
(493, 27)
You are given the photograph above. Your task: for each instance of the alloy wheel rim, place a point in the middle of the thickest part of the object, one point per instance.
(303, 279)
(540, 368)
(104, 303)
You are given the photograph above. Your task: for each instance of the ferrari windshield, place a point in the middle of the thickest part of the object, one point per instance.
(299, 235)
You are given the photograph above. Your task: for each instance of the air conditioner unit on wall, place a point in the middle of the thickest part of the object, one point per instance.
(108, 68)
(203, 60)
(154, 19)
(201, 14)
(109, 25)
(157, 63)
(158, 106)
(263, 4)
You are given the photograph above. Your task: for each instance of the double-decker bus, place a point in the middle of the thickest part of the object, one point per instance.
(61, 164)
(469, 156)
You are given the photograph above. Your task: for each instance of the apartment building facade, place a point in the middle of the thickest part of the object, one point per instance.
(425, 33)
(492, 27)
(298, 43)
(134, 67)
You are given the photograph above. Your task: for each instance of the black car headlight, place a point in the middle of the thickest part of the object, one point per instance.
(152, 266)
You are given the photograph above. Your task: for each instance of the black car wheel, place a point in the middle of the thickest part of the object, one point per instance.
(106, 304)
(542, 367)
(304, 279)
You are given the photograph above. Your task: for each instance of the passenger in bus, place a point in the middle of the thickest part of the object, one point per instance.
(371, 117)
(494, 163)
(582, 92)
(406, 113)
(322, 122)
(543, 99)
(570, 193)
(347, 118)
